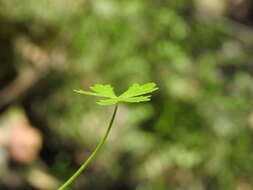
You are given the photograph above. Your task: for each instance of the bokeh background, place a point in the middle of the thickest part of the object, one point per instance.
(195, 134)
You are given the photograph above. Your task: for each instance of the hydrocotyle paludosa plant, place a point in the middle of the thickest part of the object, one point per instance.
(135, 93)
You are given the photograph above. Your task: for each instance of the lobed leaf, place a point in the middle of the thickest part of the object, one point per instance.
(137, 90)
(132, 95)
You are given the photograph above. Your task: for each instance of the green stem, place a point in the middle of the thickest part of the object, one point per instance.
(91, 157)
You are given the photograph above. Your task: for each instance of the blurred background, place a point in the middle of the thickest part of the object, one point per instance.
(195, 134)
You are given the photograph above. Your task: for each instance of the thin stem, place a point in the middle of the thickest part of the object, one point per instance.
(91, 157)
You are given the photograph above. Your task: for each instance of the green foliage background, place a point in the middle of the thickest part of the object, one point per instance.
(196, 133)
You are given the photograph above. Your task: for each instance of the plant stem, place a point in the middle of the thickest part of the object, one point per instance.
(94, 153)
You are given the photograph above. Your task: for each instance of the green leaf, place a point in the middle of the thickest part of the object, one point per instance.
(100, 91)
(132, 95)
(137, 90)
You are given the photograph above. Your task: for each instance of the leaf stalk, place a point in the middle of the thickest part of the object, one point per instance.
(94, 153)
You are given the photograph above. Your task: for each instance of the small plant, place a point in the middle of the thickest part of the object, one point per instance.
(136, 93)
